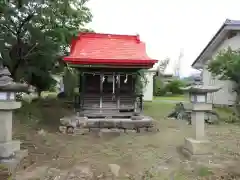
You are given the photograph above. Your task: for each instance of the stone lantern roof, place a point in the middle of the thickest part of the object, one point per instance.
(201, 89)
(7, 83)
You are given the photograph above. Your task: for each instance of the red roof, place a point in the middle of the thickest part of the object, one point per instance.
(109, 49)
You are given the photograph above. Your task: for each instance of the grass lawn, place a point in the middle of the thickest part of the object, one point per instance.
(141, 156)
(172, 98)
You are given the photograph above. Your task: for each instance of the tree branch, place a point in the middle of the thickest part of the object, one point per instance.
(28, 53)
(26, 20)
(5, 26)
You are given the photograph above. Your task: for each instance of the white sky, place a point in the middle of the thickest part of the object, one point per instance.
(167, 26)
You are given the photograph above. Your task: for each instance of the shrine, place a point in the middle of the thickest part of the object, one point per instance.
(108, 67)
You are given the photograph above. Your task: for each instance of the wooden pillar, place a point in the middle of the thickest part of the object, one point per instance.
(118, 90)
(141, 103)
(101, 91)
(80, 81)
(76, 95)
(79, 90)
(134, 97)
(82, 88)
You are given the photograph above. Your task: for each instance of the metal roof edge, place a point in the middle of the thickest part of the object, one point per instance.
(227, 22)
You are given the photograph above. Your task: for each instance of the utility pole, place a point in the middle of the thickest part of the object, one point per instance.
(177, 66)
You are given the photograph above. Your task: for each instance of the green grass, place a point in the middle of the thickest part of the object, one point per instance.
(158, 110)
(172, 98)
(226, 114)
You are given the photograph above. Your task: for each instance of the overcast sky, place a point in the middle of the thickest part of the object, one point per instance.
(167, 26)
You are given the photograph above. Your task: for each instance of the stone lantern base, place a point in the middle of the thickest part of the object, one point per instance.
(12, 163)
(193, 148)
(10, 153)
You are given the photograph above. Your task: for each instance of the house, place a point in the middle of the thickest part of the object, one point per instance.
(148, 90)
(150, 74)
(195, 79)
(227, 36)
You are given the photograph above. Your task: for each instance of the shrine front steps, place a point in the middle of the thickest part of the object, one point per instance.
(126, 125)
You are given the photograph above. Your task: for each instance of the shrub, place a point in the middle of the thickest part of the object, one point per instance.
(175, 87)
(160, 92)
(159, 87)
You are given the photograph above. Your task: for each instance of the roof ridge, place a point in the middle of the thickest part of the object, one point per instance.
(114, 36)
(232, 22)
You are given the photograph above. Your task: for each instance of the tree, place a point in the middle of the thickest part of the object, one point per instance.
(162, 65)
(175, 86)
(36, 33)
(226, 66)
(158, 79)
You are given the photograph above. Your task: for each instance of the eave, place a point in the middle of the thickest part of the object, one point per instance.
(217, 39)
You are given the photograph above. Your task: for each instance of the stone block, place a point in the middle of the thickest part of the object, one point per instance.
(5, 126)
(81, 131)
(145, 123)
(68, 121)
(137, 117)
(94, 132)
(152, 129)
(118, 124)
(9, 105)
(128, 124)
(63, 129)
(7, 149)
(13, 162)
(92, 124)
(81, 121)
(196, 147)
(130, 131)
(107, 124)
(109, 132)
(201, 107)
(70, 130)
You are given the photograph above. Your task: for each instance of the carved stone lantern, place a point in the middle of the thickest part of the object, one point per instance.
(199, 104)
(8, 89)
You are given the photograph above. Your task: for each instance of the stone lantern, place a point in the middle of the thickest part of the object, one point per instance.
(198, 99)
(8, 147)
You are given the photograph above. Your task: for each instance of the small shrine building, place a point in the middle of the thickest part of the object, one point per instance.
(108, 66)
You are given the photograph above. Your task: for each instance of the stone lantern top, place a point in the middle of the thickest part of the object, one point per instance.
(7, 84)
(201, 89)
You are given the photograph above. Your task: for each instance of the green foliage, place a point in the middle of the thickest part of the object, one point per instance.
(35, 35)
(141, 81)
(175, 86)
(226, 66)
(70, 80)
(159, 87)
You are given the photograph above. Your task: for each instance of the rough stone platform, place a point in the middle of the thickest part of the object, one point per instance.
(135, 124)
